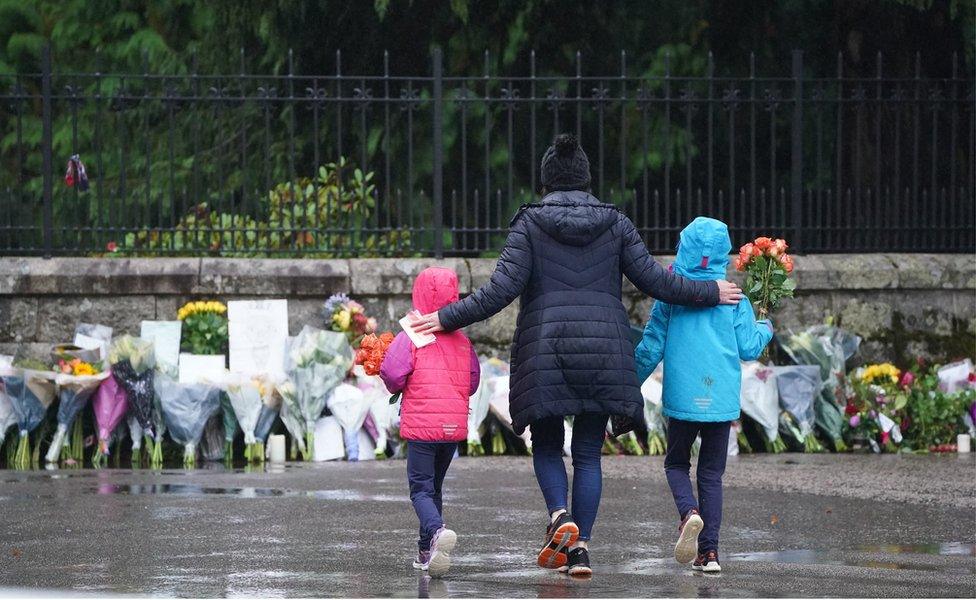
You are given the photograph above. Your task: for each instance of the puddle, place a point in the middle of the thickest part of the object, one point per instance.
(947, 549)
(182, 489)
(893, 556)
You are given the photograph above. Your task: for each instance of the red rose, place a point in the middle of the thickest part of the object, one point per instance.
(850, 410)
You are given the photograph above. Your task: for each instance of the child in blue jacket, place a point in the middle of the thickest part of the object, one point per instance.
(701, 349)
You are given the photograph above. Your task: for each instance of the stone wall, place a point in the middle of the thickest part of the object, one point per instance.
(902, 304)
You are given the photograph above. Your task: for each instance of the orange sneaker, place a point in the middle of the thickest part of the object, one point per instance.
(560, 535)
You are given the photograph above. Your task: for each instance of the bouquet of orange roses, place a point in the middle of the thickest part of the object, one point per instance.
(371, 351)
(768, 268)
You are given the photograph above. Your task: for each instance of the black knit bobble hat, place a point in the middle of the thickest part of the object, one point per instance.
(565, 166)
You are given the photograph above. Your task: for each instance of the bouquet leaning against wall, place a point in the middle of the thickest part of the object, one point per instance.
(31, 391)
(317, 362)
(77, 381)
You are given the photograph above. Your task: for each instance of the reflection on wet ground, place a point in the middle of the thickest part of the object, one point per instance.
(348, 530)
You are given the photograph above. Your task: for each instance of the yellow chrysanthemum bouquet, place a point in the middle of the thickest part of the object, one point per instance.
(204, 327)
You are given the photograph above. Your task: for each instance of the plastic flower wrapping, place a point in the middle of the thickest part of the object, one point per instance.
(317, 362)
(132, 361)
(378, 399)
(829, 348)
(229, 419)
(760, 400)
(186, 410)
(349, 405)
(110, 404)
(8, 418)
(492, 370)
(291, 416)
(30, 393)
(248, 396)
(653, 392)
(799, 387)
(348, 317)
(74, 391)
(270, 408)
(135, 435)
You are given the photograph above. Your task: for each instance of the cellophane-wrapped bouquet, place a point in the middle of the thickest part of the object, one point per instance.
(31, 392)
(317, 362)
(110, 404)
(248, 396)
(229, 418)
(799, 386)
(76, 381)
(493, 371)
(760, 401)
(291, 416)
(829, 348)
(135, 436)
(132, 361)
(8, 418)
(270, 408)
(186, 410)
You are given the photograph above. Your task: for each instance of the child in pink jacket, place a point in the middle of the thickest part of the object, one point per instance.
(436, 381)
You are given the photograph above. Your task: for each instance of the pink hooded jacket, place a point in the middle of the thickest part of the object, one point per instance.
(436, 380)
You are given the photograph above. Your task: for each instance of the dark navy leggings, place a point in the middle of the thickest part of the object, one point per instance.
(711, 466)
(548, 436)
(427, 464)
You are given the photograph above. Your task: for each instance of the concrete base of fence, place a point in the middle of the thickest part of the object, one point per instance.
(904, 305)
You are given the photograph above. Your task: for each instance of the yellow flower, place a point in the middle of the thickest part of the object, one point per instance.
(83, 368)
(880, 371)
(342, 319)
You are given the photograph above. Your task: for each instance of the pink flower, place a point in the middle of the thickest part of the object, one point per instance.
(855, 420)
(907, 379)
(112, 247)
(885, 436)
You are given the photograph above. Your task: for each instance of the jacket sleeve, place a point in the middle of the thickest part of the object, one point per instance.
(751, 335)
(475, 372)
(650, 350)
(505, 285)
(656, 281)
(397, 363)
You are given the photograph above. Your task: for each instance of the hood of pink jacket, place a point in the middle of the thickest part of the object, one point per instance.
(434, 288)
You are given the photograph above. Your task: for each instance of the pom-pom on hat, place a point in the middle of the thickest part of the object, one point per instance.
(565, 166)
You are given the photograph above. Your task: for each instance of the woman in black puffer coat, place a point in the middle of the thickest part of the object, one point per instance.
(572, 354)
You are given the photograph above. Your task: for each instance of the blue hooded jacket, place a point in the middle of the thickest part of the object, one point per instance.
(701, 347)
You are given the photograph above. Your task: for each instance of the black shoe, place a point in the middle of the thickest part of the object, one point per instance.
(561, 534)
(579, 563)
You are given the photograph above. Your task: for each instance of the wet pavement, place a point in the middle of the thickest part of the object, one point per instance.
(795, 525)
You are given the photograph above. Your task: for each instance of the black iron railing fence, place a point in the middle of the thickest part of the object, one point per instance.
(357, 165)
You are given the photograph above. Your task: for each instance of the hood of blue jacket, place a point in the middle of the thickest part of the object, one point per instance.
(703, 250)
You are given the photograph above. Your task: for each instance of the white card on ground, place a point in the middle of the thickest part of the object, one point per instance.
(202, 368)
(418, 340)
(328, 440)
(165, 336)
(257, 331)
